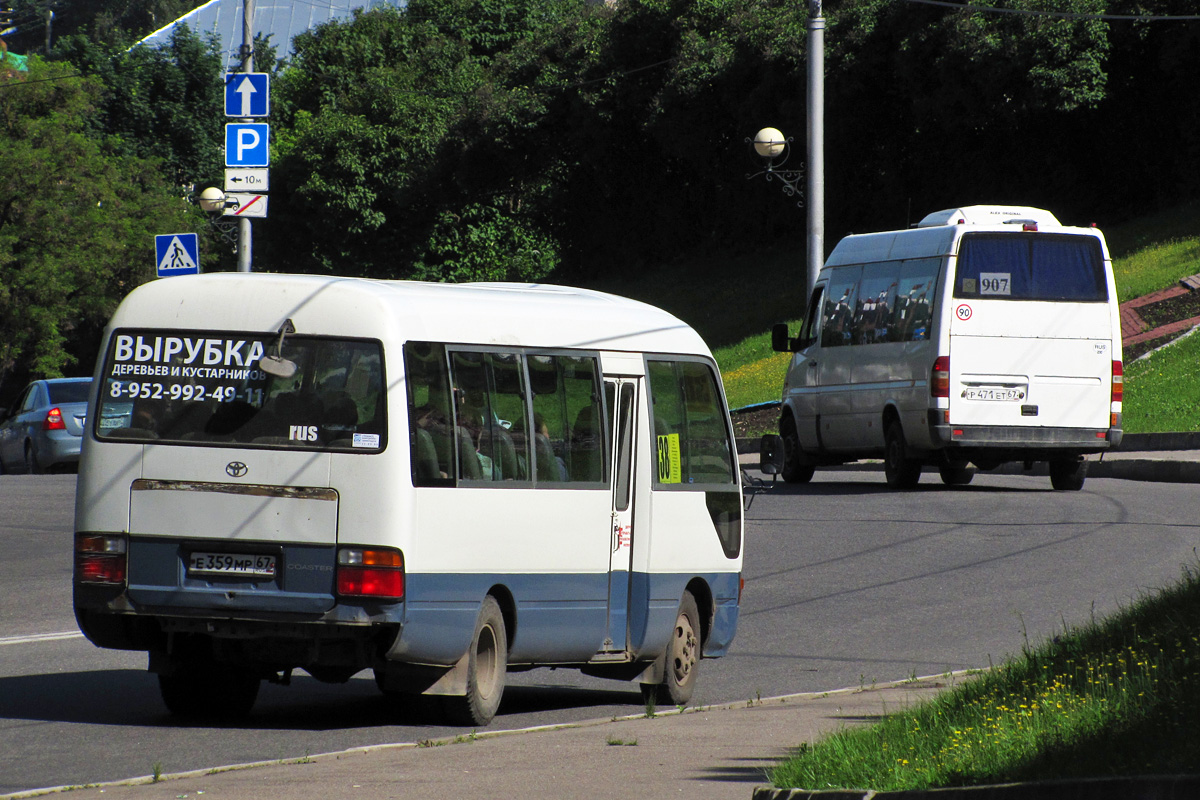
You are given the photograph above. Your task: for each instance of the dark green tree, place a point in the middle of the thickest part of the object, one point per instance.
(77, 220)
(165, 102)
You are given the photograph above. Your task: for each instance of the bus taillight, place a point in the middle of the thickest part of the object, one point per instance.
(939, 383)
(1118, 381)
(370, 572)
(100, 558)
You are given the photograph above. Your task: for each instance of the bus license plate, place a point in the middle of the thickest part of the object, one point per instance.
(1001, 393)
(235, 564)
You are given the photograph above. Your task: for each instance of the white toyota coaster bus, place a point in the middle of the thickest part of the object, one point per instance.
(439, 483)
(983, 335)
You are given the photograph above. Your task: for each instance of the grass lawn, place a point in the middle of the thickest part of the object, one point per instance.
(1118, 697)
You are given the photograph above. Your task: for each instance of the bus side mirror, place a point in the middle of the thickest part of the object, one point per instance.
(780, 341)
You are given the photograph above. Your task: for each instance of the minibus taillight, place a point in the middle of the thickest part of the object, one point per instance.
(100, 558)
(54, 421)
(939, 382)
(370, 572)
(1118, 381)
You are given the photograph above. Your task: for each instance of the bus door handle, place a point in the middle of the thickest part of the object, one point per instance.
(812, 363)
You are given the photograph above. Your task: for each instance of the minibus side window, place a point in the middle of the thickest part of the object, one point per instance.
(490, 414)
(568, 423)
(915, 298)
(812, 320)
(877, 298)
(691, 435)
(430, 415)
(840, 303)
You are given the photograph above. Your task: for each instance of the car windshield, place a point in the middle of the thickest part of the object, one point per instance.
(207, 388)
(69, 391)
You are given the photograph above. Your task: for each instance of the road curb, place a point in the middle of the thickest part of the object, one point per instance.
(1167, 787)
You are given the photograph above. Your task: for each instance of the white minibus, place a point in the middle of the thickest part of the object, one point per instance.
(982, 335)
(439, 483)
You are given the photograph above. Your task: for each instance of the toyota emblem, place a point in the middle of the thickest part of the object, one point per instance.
(235, 469)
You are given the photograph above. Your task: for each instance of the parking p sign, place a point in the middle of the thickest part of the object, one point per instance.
(247, 145)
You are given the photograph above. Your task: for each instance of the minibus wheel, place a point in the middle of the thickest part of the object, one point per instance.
(683, 655)
(959, 474)
(793, 470)
(209, 691)
(487, 667)
(1068, 474)
(901, 471)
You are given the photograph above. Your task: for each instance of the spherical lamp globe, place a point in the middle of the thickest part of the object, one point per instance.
(212, 200)
(769, 142)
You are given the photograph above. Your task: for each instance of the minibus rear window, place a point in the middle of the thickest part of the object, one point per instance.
(1031, 266)
(206, 388)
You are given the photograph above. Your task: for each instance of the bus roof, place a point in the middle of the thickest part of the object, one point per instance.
(513, 314)
(938, 233)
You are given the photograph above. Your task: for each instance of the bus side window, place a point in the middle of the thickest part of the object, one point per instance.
(878, 293)
(840, 307)
(914, 299)
(430, 418)
(691, 436)
(812, 320)
(568, 430)
(490, 415)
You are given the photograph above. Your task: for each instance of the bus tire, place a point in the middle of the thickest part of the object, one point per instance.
(683, 654)
(793, 470)
(956, 474)
(487, 668)
(1068, 474)
(901, 471)
(209, 691)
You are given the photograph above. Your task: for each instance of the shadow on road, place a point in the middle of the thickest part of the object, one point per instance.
(124, 697)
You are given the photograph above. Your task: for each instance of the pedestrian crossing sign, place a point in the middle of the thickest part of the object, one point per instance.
(177, 254)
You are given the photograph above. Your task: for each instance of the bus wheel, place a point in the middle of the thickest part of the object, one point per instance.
(209, 691)
(956, 474)
(1068, 474)
(793, 471)
(683, 654)
(901, 471)
(487, 668)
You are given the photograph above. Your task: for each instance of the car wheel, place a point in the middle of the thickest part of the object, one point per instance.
(31, 463)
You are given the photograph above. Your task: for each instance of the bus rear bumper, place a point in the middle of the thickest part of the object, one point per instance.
(1017, 443)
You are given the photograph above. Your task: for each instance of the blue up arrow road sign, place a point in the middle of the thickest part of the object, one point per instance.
(247, 94)
(246, 144)
(177, 254)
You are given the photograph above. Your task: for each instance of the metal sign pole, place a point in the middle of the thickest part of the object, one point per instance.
(245, 238)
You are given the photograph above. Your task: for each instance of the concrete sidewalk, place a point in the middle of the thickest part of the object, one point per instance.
(713, 753)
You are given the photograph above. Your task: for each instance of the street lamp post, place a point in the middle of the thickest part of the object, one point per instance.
(816, 142)
(774, 149)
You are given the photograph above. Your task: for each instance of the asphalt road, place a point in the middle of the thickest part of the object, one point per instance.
(847, 583)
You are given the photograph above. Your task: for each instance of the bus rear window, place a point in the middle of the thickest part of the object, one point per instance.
(1031, 266)
(202, 387)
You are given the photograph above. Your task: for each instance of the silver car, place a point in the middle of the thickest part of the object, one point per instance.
(42, 430)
